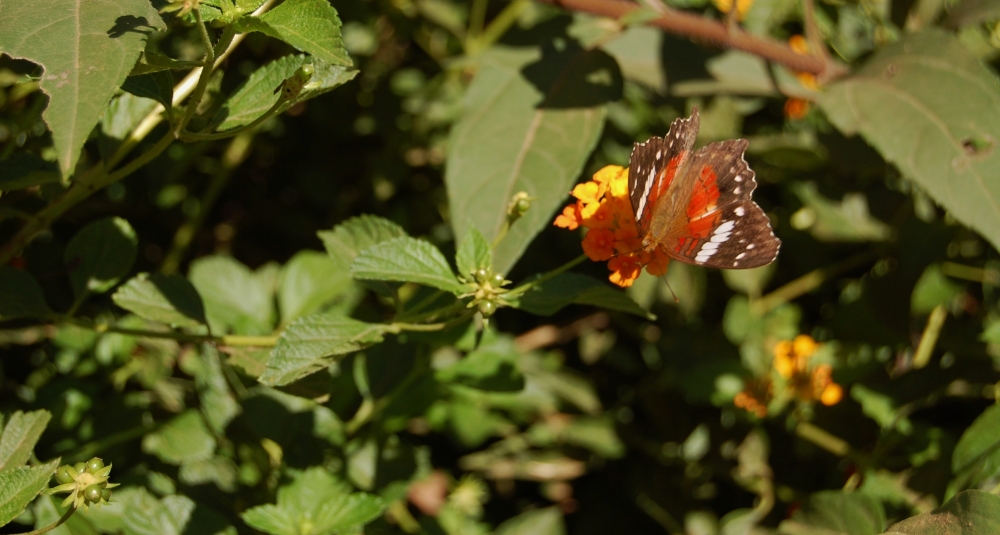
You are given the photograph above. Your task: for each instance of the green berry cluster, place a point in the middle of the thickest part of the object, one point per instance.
(86, 483)
(487, 291)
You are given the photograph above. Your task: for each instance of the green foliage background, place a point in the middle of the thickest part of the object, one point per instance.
(296, 293)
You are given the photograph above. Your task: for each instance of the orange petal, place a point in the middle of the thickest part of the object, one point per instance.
(831, 395)
(570, 217)
(598, 244)
(598, 215)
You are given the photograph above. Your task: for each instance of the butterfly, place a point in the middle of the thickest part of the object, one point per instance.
(695, 204)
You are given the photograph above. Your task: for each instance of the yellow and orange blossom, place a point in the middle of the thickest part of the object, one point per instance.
(603, 207)
(796, 377)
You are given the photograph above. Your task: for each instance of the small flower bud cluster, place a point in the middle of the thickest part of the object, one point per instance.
(86, 483)
(487, 290)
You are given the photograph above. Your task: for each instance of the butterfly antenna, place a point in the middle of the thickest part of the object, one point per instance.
(664, 277)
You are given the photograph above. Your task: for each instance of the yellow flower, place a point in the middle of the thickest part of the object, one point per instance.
(603, 207)
(742, 7)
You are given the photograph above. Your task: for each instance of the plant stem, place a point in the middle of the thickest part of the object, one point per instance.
(478, 42)
(821, 438)
(69, 512)
(226, 340)
(534, 282)
(929, 339)
(197, 136)
(703, 29)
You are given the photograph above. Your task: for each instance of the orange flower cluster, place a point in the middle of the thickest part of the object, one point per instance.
(603, 207)
(796, 108)
(796, 377)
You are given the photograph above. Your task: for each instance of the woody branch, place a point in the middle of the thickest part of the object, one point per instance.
(715, 32)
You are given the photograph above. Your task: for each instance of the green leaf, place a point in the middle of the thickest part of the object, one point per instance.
(183, 439)
(218, 404)
(549, 297)
(311, 26)
(308, 343)
(120, 118)
(847, 221)
(548, 521)
(492, 366)
(20, 434)
(218, 470)
(145, 515)
(158, 86)
(99, 255)
(22, 296)
(308, 281)
(349, 238)
(87, 52)
(473, 253)
(19, 486)
(972, 512)
(932, 289)
(406, 260)
(47, 511)
(24, 170)
(530, 123)
(257, 95)
(152, 62)
(977, 455)
(920, 103)
(968, 12)
(316, 502)
(169, 299)
(235, 296)
(835, 512)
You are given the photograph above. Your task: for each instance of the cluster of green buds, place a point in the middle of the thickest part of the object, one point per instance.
(487, 291)
(518, 206)
(86, 483)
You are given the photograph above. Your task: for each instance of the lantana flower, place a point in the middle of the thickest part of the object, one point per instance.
(603, 207)
(793, 376)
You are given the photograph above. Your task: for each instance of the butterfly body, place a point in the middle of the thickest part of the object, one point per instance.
(696, 205)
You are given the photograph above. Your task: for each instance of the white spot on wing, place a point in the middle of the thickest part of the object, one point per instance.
(645, 194)
(740, 256)
(750, 246)
(738, 178)
(739, 211)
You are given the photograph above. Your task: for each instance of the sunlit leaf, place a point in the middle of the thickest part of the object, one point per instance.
(169, 299)
(20, 434)
(86, 51)
(920, 102)
(306, 345)
(311, 26)
(18, 486)
(542, 114)
(406, 260)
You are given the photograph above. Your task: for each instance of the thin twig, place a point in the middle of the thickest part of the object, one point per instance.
(715, 32)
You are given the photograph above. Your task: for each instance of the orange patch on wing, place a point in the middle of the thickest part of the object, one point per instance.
(705, 194)
(663, 180)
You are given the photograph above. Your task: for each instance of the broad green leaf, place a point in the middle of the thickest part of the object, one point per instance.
(235, 296)
(548, 521)
(145, 515)
(99, 255)
(531, 119)
(920, 102)
(308, 343)
(835, 512)
(406, 260)
(221, 471)
(20, 433)
(637, 51)
(24, 170)
(977, 455)
(169, 299)
(316, 502)
(184, 438)
(311, 26)
(349, 238)
(309, 281)
(158, 86)
(849, 220)
(549, 297)
(86, 51)
(218, 404)
(972, 512)
(932, 289)
(120, 118)
(492, 366)
(18, 486)
(257, 94)
(22, 296)
(473, 253)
